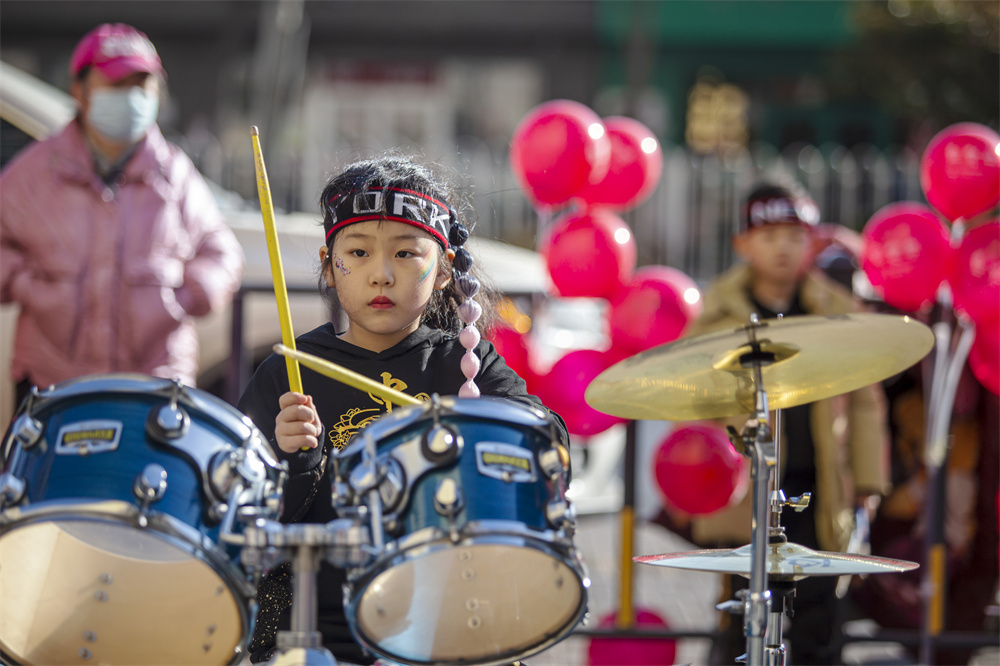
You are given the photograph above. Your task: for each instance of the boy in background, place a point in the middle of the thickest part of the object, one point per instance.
(837, 448)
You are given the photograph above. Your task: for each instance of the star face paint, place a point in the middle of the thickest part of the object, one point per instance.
(339, 263)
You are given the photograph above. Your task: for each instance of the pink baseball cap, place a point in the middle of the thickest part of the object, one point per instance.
(116, 50)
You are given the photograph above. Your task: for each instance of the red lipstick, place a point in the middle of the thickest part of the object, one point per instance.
(381, 303)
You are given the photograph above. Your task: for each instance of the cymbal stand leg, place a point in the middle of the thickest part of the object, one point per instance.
(758, 601)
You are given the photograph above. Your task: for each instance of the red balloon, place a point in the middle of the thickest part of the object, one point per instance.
(984, 357)
(636, 166)
(906, 254)
(632, 651)
(960, 170)
(562, 390)
(557, 150)
(699, 471)
(975, 276)
(590, 253)
(514, 349)
(654, 308)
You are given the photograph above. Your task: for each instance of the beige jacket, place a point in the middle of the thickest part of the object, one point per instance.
(849, 431)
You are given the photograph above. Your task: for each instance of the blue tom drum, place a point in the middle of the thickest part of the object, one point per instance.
(475, 562)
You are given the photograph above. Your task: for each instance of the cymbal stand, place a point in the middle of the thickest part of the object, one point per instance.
(759, 442)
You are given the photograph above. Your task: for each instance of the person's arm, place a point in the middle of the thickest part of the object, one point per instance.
(869, 443)
(12, 260)
(12, 265)
(213, 274)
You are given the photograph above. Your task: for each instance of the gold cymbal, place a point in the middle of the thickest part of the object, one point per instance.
(811, 357)
(786, 561)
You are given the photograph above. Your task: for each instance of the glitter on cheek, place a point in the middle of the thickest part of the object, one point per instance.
(339, 263)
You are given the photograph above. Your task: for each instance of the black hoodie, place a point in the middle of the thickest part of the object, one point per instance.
(425, 362)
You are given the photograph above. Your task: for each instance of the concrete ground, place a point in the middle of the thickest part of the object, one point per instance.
(685, 599)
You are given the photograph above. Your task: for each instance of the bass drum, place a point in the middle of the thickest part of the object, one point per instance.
(115, 492)
(478, 564)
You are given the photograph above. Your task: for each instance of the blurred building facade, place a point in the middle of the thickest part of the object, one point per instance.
(733, 89)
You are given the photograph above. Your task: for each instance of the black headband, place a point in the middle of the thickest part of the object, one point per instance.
(394, 204)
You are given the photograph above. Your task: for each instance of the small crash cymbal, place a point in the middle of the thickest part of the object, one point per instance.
(806, 358)
(785, 561)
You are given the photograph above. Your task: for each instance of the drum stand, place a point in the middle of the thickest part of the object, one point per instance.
(344, 542)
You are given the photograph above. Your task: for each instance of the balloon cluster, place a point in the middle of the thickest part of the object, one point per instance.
(587, 170)
(909, 252)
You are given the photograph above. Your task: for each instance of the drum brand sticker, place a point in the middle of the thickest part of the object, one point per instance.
(86, 437)
(505, 462)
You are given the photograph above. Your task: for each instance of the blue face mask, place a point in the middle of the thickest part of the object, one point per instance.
(123, 115)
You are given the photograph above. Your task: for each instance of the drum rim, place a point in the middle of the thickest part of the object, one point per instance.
(355, 588)
(245, 434)
(225, 414)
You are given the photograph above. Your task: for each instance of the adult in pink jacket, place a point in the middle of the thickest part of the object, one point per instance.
(110, 240)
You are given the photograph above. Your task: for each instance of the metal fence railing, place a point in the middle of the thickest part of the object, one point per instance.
(688, 220)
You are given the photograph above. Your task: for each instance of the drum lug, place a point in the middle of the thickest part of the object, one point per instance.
(560, 513)
(392, 482)
(221, 473)
(273, 497)
(448, 501)
(441, 444)
(168, 421)
(149, 486)
(551, 463)
(341, 493)
(27, 430)
(364, 477)
(11, 490)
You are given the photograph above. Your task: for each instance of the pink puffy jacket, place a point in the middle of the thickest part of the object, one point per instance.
(109, 277)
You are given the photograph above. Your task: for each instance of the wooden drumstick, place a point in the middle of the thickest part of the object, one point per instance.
(277, 272)
(349, 377)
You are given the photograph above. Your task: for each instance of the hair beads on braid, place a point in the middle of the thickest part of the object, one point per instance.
(469, 311)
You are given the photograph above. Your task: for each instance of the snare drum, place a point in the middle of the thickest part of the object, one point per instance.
(117, 496)
(476, 563)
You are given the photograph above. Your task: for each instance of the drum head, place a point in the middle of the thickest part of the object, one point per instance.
(79, 591)
(478, 603)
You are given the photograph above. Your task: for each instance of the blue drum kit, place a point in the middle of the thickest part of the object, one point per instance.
(137, 515)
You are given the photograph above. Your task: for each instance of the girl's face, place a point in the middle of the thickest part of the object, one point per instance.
(384, 273)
